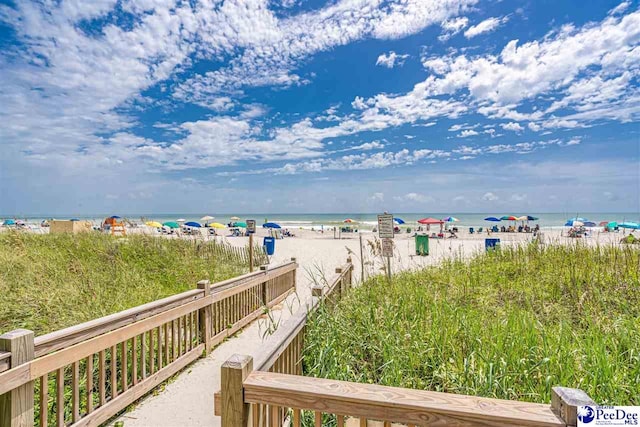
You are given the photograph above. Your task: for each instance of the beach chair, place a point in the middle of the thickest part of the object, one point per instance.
(479, 230)
(471, 230)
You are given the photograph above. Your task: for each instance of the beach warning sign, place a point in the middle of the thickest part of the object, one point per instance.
(385, 226)
(387, 248)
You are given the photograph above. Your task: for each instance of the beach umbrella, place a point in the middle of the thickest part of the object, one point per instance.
(450, 219)
(234, 218)
(492, 219)
(74, 219)
(193, 224)
(430, 221)
(398, 221)
(270, 225)
(522, 218)
(180, 220)
(532, 218)
(509, 218)
(240, 224)
(630, 225)
(574, 223)
(603, 223)
(612, 224)
(577, 219)
(207, 218)
(217, 225)
(9, 222)
(112, 216)
(349, 220)
(171, 224)
(154, 224)
(20, 222)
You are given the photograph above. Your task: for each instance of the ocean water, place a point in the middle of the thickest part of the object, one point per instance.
(363, 220)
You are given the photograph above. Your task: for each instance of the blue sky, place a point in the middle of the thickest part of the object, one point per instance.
(315, 106)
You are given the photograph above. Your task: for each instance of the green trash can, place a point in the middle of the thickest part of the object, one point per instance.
(422, 244)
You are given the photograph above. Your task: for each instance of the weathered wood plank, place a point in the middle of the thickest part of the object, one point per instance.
(234, 410)
(565, 402)
(392, 403)
(16, 406)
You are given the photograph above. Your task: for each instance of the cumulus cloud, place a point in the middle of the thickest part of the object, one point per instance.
(489, 197)
(413, 197)
(451, 27)
(486, 26)
(467, 133)
(391, 59)
(512, 126)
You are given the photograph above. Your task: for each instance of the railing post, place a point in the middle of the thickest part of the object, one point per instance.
(295, 274)
(234, 412)
(264, 286)
(205, 317)
(342, 287)
(565, 402)
(16, 406)
(316, 291)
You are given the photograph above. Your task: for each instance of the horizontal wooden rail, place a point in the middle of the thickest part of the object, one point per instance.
(392, 404)
(60, 339)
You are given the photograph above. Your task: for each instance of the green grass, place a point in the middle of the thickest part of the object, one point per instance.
(48, 282)
(508, 324)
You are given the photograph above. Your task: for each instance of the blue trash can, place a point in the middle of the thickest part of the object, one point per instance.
(491, 244)
(270, 245)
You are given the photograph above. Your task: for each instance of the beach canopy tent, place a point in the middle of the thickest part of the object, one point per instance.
(630, 225)
(240, 224)
(171, 224)
(398, 221)
(193, 224)
(428, 221)
(207, 218)
(450, 219)
(216, 225)
(270, 225)
(492, 219)
(9, 222)
(154, 224)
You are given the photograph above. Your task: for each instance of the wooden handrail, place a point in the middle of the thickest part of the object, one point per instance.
(392, 403)
(63, 338)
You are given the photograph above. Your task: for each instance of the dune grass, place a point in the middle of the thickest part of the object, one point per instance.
(508, 324)
(48, 282)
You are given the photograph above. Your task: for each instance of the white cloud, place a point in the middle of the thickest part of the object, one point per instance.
(517, 197)
(486, 26)
(413, 197)
(620, 8)
(489, 197)
(377, 197)
(451, 27)
(467, 133)
(512, 126)
(391, 59)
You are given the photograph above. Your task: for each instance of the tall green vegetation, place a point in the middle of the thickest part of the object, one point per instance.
(508, 324)
(48, 282)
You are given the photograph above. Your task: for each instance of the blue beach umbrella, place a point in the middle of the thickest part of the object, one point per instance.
(630, 225)
(270, 225)
(192, 224)
(450, 219)
(398, 221)
(9, 222)
(532, 218)
(74, 219)
(492, 219)
(115, 217)
(578, 222)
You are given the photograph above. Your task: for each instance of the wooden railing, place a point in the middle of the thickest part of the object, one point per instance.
(85, 374)
(277, 393)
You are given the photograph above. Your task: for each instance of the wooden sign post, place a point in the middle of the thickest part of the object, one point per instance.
(251, 228)
(386, 234)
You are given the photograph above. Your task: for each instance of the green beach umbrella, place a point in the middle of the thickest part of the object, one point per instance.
(240, 224)
(171, 224)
